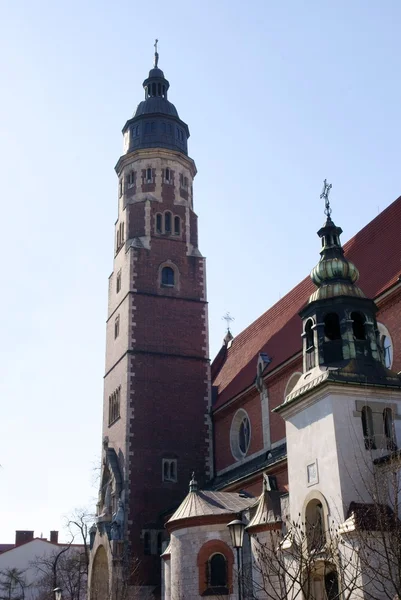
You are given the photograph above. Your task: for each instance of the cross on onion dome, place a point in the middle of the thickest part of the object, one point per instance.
(325, 194)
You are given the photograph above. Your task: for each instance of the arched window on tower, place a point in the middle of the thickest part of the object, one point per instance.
(310, 345)
(217, 571)
(158, 223)
(358, 326)
(332, 347)
(167, 175)
(167, 277)
(367, 427)
(388, 423)
(149, 178)
(167, 222)
(177, 227)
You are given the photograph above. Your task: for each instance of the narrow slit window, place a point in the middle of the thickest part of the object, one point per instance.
(117, 327)
(146, 543)
(158, 223)
(388, 423)
(118, 281)
(367, 427)
(167, 175)
(159, 543)
(177, 226)
(167, 222)
(149, 175)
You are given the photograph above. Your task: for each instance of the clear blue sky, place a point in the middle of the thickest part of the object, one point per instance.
(277, 95)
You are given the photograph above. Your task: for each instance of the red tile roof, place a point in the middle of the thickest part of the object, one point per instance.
(375, 250)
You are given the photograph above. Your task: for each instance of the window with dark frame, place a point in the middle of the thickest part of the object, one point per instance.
(149, 176)
(167, 222)
(159, 223)
(217, 571)
(167, 278)
(177, 226)
(388, 424)
(367, 427)
(118, 281)
(169, 469)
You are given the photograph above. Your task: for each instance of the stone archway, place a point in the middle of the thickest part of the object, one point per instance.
(100, 576)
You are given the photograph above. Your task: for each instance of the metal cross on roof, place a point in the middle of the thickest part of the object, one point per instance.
(325, 194)
(156, 53)
(228, 319)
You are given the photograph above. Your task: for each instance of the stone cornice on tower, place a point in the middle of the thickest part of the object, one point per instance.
(151, 153)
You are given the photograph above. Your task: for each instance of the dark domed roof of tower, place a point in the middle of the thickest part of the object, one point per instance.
(156, 123)
(156, 105)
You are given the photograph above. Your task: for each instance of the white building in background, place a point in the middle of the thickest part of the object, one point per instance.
(27, 557)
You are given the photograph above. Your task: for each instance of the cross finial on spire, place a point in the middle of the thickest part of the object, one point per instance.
(156, 53)
(228, 319)
(325, 194)
(193, 484)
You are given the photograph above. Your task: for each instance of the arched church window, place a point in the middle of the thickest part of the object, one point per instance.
(388, 423)
(167, 175)
(332, 327)
(167, 222)
(331, 586)
(240, 434)
(177, 226)
(367, 427)
(314, 525)
(217, 571)
(149, 175)
(358, 326)
(244, 435)
(168, 276)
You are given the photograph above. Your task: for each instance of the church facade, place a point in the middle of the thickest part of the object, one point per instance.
(290, 428)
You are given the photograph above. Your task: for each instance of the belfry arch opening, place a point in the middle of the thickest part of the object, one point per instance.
(358, 326)
(332, 330)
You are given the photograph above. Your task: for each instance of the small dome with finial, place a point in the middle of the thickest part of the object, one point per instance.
(334, 275)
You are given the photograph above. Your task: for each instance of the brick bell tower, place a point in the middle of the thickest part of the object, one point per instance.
(156, 428)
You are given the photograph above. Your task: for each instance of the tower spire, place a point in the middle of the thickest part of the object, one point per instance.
(156, 53)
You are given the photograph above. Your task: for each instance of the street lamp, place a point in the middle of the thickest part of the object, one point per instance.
(57, 593)
(237, 529)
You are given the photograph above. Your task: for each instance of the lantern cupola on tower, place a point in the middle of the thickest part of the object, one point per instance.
(339, 322)
(156, 123)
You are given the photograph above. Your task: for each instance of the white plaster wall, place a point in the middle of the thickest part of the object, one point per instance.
(23, 556)
(310, 438)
